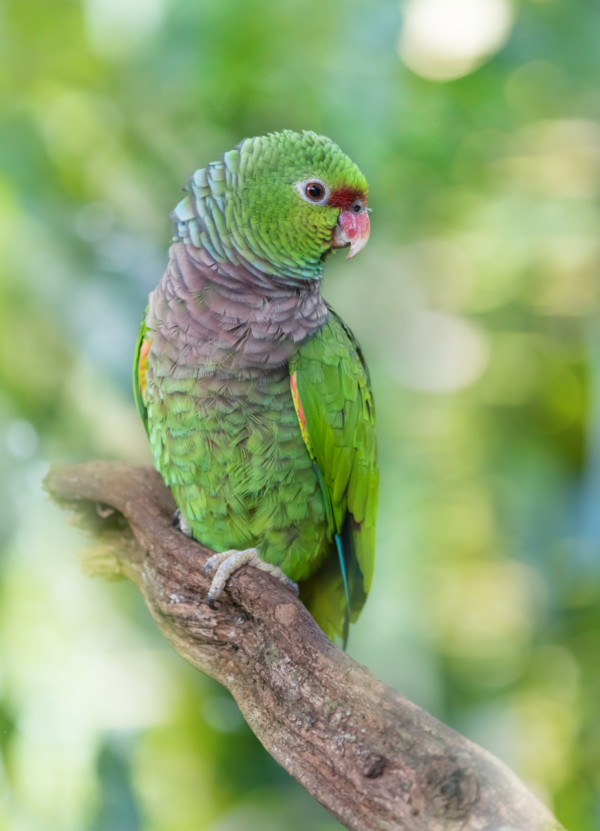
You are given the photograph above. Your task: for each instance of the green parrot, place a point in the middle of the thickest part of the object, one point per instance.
(254, 393)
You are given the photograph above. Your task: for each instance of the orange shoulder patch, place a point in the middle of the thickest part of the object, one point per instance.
(300, 414)
(143, 364)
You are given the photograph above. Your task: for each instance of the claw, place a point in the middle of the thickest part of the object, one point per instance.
(228, 562)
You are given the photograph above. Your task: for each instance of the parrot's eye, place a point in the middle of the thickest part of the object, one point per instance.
(315, 190)
(357, 207)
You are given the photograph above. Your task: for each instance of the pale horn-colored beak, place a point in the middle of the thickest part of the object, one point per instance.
(352, 229)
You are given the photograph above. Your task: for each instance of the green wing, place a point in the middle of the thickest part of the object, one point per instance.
(331, 389)
(140, 365)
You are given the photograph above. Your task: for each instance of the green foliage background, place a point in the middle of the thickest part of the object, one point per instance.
(476, 303)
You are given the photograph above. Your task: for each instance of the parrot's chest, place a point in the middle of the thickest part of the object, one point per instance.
(218, 392)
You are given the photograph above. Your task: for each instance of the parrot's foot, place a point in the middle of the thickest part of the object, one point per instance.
(179, 522)
(227, 562)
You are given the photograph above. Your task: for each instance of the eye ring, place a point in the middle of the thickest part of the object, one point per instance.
(313, 190)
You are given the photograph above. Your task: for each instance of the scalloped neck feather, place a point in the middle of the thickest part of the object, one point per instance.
(207, 316)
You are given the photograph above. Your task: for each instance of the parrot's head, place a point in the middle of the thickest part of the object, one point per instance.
(281, 201)
(303, 194)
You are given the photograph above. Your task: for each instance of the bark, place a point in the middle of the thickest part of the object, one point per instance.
(370, 756)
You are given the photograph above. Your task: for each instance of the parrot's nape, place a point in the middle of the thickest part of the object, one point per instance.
(254, 393)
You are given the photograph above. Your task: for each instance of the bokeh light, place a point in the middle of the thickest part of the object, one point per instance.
(446, 39)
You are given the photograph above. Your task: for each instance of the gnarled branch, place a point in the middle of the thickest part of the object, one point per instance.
(368, 755)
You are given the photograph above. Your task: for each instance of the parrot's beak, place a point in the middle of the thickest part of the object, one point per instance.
(352, 229)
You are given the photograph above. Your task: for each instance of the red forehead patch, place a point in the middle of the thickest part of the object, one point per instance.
(345, 197)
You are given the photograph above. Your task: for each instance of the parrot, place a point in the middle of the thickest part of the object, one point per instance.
(254, 393)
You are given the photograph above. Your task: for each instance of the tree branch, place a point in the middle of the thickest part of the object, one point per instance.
(368, 755)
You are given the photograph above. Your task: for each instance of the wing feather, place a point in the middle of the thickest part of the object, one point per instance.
(333, 398)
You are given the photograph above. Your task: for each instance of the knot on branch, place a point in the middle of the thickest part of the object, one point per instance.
(452, 786)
